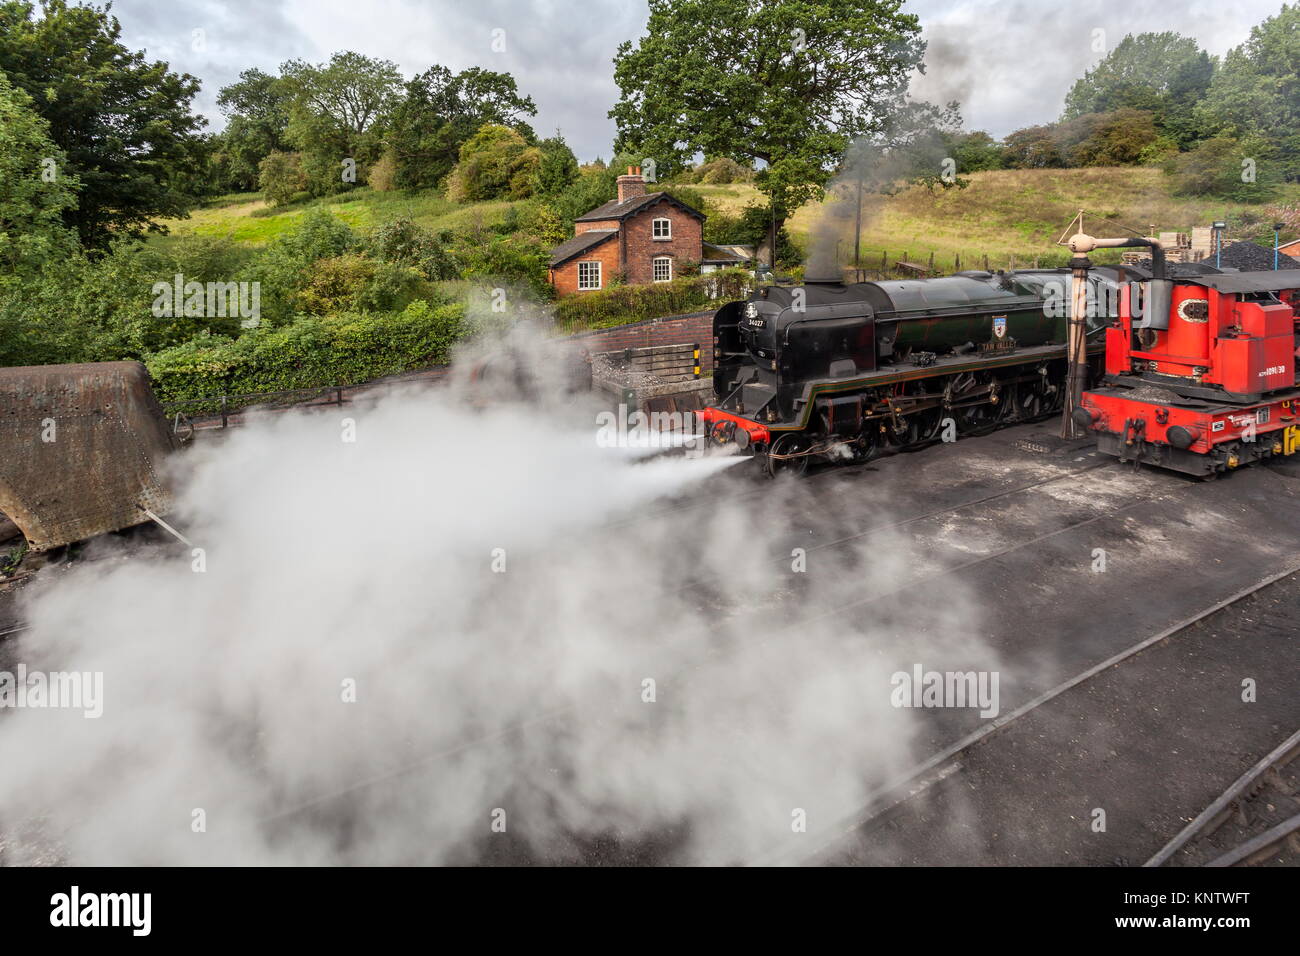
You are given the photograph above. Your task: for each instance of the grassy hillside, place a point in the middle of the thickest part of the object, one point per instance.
(1010, 214)
(1007, 215)
(246, 217)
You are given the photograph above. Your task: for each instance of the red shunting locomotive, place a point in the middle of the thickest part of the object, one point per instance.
(1207, 384)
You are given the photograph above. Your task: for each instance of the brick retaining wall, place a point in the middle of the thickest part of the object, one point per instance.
(694, 327)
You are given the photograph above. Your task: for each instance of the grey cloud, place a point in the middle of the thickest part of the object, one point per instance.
(1009, 62)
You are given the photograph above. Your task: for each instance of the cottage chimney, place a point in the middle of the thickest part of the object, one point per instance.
(631, 185)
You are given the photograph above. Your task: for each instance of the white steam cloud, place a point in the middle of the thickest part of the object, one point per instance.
(374, 564)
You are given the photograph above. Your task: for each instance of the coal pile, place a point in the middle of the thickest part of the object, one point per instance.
(1252, 257)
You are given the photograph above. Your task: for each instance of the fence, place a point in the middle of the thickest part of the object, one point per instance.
(220, 411)
(888, 265)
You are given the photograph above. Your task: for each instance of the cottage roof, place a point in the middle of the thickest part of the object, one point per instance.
(621, 210)
(580, 244)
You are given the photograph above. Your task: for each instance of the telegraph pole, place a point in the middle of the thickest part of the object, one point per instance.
(857, 232)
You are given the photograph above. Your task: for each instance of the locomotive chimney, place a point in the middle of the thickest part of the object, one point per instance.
(631, 184)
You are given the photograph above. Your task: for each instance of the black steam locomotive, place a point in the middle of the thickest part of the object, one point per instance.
(838, 372)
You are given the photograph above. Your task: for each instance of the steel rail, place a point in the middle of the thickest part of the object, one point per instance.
(889, 795)
(1280, 754)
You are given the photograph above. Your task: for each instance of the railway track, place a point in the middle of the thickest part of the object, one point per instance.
(934, 764)
(940, 766)
(888, 799)
(1255, 834)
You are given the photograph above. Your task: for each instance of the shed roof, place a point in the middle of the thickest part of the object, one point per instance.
(580, 244)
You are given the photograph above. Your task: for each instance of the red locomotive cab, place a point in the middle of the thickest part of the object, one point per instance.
(1256, 353)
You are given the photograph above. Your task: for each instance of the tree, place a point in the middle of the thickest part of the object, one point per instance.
(558, 167)
(495, 163)
(975, 151)
(1034, 147)
(1257, 90)
(784, 83)
(35, 188)
(1122, 138)
(1223, 166)
(337, 115)
(123, 123)
(1165, 74)
(280, 177)
(257, 120)
(440, 111)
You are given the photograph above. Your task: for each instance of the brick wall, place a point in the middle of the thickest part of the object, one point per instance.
(565, 276)
(696, 327)
(686, 244)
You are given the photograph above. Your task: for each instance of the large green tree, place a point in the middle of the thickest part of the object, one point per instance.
(558, 168)
(35, 189)
(1257, 90)
(256, 108)
(441, 111)
(787, 84)
(338, 115)
(123, 122)
(1165, 74)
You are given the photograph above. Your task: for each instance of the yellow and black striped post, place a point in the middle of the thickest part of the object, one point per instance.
(696, 372)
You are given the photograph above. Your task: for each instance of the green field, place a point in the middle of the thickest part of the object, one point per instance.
(246, 218)
(1008, 215)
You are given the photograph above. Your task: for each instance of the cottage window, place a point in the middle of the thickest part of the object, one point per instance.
(663, 269)
(589, 275)
(662, 229)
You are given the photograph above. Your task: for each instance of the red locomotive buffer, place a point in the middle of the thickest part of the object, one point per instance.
(1209, 387)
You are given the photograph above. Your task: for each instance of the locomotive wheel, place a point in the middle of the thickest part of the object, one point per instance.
(865, 447)
(1030, 403)
(984, 415)
(788, 444)
(916, 429)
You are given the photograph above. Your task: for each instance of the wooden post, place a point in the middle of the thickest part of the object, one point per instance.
(930, 267)
(957, 264)
(986, 262)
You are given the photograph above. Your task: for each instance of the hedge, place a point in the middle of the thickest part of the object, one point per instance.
(311, 352)
(620, 305)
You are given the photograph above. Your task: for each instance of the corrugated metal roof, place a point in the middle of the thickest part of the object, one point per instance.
(716, 252)
(1237, 282)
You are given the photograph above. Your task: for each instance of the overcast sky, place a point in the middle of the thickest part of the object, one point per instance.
(1009, 62)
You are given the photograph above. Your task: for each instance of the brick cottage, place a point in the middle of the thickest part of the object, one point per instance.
(646, 237)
